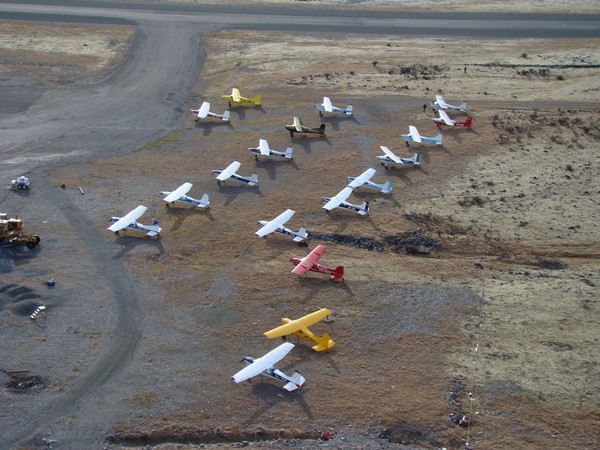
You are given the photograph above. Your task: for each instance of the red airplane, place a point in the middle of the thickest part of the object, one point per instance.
(311, 262)
(444, 119)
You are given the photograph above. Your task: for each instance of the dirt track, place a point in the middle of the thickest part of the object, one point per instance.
(199, 288)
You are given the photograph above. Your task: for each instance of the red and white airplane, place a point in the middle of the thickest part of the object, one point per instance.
(444, 119)
(311, 263)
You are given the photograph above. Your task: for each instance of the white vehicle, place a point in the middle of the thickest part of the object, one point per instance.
(390, 157)
(265, 365)
(326, 106)
(21, 182)
(277, 225)
(263, 149)
(129, 221)
(364, 180)
(414, 136)
(179, 195)
(204, 112)
(440, 103)
(230, 172)
(340, 200)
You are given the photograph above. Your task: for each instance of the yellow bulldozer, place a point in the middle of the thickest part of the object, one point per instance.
(11, 233)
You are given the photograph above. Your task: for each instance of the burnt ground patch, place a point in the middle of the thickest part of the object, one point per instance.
(413, 241)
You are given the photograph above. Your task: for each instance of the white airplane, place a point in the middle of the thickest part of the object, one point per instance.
(264, 150)
(129, 221)
(390, 157)
(364, 180)
(414, 136)
(204, 112)
(276, 225)
(326, 106)
(440, 103)
(178, 195)
(230, 172)
(265, 366)
(340, 200)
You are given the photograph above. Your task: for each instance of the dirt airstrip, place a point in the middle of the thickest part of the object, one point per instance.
(504, 307)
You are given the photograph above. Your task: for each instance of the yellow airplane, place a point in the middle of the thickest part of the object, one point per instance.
(299, 327)
(236, 97)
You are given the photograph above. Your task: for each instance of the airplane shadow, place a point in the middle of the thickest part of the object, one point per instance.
(128, 243)
(308, 355)
(268, 395)
(271, 164)
(240, 111)
(334, 122)
(181, 213)
(207, 127)
(316, 285)
(373, 197)
(305, 141)
(233, 191)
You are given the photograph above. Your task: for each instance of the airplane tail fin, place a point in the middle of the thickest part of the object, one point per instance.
(438, 139)
(257, 99)
(226, 116)
(155, 223)
(302, 234)
(297, 381)
(349, 110)
(288, 152)
(253, 179)
(322, 128)
(387, 187)
(463, 106)
(364, 208)
(324, 342)
(204, 202)
(337, 274)
(468, 122)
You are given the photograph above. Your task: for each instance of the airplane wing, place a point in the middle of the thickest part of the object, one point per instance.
(309, 260)
(327, 104)
(204, 109)
(390, 154)
(362, 178)
(263, 363)
(297, 124)
(295, 325)
(444, 116)
(275, 223)
(334, 202)
(440, 101)
(235, 94)
(263, 146)
(414, 133)
(128, 218)
(230, 170)
(178, 193)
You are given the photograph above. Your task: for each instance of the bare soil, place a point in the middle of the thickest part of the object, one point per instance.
(499, 321)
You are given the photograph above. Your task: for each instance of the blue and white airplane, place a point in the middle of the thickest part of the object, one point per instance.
(277, 225)
(179, 195)
(265, 365)
(264, 150)
(129, 221)
(230, 172)
(364, 180)
(340, 200)
(414, 136)
(326, 106)
(390, 157)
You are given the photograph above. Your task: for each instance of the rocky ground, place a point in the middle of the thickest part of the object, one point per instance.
(503, 308)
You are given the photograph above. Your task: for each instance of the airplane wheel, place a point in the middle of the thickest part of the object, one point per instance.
(291, 133)
(37, 239)
(320, 114)
(218, 182)
(30, 245)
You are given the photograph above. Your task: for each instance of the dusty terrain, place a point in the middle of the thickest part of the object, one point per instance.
(505, 306)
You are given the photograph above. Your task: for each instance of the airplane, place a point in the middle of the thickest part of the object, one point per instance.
(390, 157)
(264, 150)
(326, 106)
(297, 127)
(129, 221)
(413, 135)
(236, 97)
(230, 172)
(299, 327)
(265, 366)
(178, 195)
(364, 180)
(440, 103)
(204, 112)
(444, 119)
(311, 262)
(340, 200)
(276, 225)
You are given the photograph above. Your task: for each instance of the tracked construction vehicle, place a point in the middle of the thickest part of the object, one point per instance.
(11, 233)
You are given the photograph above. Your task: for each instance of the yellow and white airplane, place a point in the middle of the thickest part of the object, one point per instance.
(236, 97)
(299, 327)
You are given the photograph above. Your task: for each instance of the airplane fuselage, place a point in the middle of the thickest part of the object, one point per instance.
(384, 188)
(298, 237)
(272, 372)
(150, 230)
(360, 209)
(320, 268)
(257, 153)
